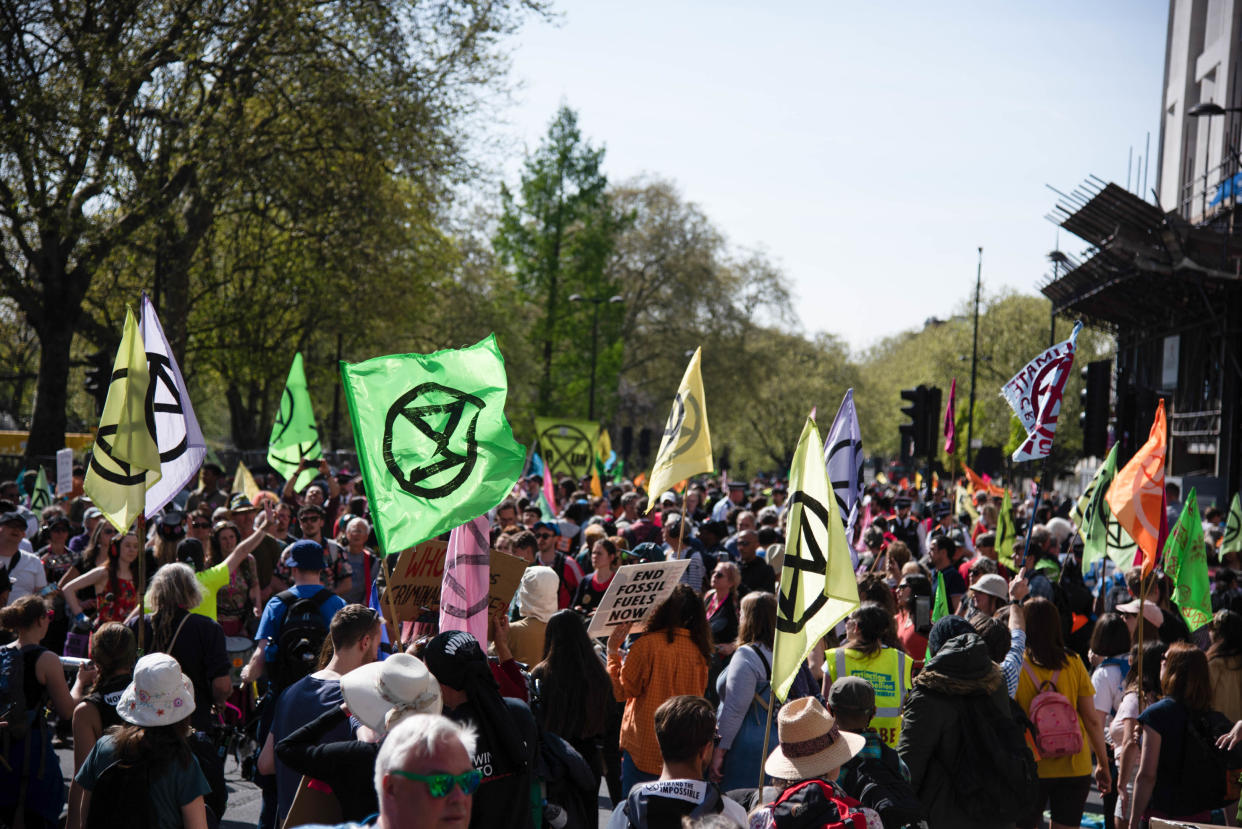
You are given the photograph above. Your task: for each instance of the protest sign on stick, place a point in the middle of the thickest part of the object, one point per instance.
(634, 592)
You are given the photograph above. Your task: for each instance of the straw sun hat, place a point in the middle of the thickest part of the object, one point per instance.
(811, 744)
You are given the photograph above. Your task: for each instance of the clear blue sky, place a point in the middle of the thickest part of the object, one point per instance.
(868, 148)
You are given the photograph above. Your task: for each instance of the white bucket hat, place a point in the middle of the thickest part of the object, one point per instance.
(159, 695)
(401, 684)
(811, 744)
(993, 585)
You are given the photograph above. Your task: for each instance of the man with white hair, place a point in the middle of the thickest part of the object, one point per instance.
(424, 775)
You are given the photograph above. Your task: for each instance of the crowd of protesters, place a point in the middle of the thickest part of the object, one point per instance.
(1042, 682)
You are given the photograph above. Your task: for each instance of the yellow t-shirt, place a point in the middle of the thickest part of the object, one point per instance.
(211, 579)
(1073, 684)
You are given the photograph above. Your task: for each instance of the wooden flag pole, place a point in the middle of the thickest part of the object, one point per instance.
(1144, 588)
(140, 529)
(767, 726)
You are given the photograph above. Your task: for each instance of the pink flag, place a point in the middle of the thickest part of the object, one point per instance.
(950, 428)
(548, 491)
(467, 577)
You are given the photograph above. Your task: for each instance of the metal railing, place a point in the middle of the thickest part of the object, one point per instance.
(1211, 193)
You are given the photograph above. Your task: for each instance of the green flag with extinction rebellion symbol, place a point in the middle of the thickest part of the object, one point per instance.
(294, 434)
(432, 439)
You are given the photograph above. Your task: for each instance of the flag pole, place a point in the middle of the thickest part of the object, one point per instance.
(767, 727)
(140, 527)
(1144, 586)
(1030, 521)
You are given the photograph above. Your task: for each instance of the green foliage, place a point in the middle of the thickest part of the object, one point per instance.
(158, 144)
(557, 236)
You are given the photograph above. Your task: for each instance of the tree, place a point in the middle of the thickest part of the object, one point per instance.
(128, 127)
(557, 236)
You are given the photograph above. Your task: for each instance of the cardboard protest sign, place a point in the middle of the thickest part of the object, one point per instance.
(634, 591)
(64, 471)
(415, 587)
(506, 575)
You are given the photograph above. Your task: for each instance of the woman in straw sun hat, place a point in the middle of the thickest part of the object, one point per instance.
(805, 765)
(379, 695)
(150, 754)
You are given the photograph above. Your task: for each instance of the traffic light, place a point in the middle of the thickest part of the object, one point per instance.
(914, 433)
(931, 421)
(99, 377)
(1094, 396)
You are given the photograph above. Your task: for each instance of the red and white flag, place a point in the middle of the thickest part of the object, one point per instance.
(1034, 394)
(467, 577)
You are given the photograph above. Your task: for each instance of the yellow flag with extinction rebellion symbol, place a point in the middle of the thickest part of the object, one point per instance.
(568, 446)
(686, 448)
(817, 586)
(126, 460)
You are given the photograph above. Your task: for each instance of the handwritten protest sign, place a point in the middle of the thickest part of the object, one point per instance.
(506, 575)
(415, 587)
(634, 592)
(64, 471)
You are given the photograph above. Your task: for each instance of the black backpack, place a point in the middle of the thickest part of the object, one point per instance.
(878, 785)
(119, 799)
(1205, 768)
(13, 690)
(994, 776)
(301, 636)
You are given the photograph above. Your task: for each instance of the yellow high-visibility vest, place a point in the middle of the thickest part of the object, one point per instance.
(889, 672)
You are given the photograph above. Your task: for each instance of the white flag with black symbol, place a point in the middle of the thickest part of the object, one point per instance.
(169, 416)
(843, 458)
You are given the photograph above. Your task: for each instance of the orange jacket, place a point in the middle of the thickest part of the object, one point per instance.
(654, 670)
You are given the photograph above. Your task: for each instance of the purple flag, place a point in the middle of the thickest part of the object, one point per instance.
(950, 428)
(467, 577)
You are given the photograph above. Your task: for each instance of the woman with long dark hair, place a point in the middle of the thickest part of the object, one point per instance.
(1140, 692)
(573, 692)
(237, 598)
(95, 554)
(30, 777)
(1225, 663)
(148, 763)
(1177, 731)
(668, 660)
(1064, 778)
(114, 652)
(116, 583)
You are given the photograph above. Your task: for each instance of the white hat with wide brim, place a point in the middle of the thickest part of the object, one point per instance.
(159, 693)
(401, 682)
(811, 745)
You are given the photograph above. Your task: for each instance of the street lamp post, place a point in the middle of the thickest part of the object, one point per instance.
(595, 301)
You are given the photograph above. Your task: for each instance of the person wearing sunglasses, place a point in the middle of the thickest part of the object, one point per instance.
(424, 775)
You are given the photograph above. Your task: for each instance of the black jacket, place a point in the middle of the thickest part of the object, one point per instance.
(931, 730)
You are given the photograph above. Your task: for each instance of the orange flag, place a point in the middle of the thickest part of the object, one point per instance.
(1136, 496)
(978, 482)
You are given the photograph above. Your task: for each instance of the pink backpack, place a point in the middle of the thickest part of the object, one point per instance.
(1057, 733)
